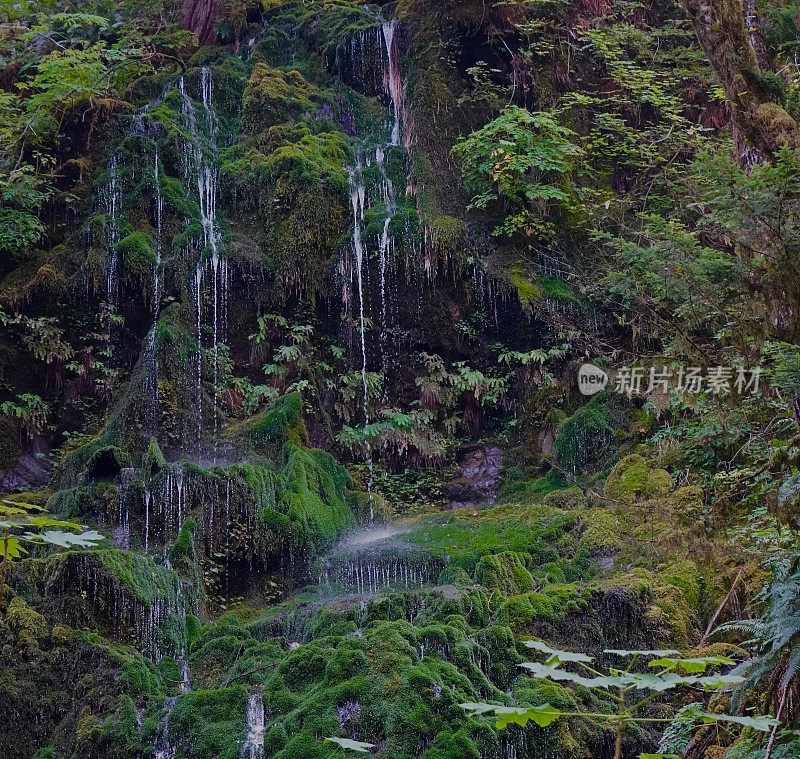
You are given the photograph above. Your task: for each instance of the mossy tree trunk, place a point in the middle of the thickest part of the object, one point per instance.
(729, 33)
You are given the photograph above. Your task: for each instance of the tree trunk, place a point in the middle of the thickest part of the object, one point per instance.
(730, 34)
(774, 733)
(757, 39)
(200, 16)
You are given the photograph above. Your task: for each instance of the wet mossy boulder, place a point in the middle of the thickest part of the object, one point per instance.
(632, 479)
(119, 594)
(210, 722)
(507, 572)
(687, 502)
(138, 254)
(582, 439)
(603, 530)
(28, 625)
(676, 598)
(273, 96)
(274, 427)
(567, 499)
(549, 605)
(153, 460)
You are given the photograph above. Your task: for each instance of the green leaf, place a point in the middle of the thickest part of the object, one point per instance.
(718, 682)
(556, 656)
(478, 709)
(361, 748)
(563, 675)
(51, 522)
(543, 715)
(11, 511)
(696, 665)
(11, 548)
(16, 505)
(657, 682)
(657, 652)
(65, 539)
(763, 723)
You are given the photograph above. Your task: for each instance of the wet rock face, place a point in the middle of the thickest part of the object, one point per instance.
(32, 471)
(479, 478)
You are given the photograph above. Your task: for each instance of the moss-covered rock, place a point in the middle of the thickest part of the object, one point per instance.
(138, 254)
(507, 572)
(567, 499)
(633, 478)
(29, 626)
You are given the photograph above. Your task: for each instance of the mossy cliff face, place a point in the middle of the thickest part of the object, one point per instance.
(264, 319)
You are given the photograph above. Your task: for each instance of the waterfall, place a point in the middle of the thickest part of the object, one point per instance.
(151, 355)
(186, 678)
(172, 499)
(385, 248)
(122, 532)
(201, 153)
(394, 86)
(112, 199)
(382, 40)
(369, 575)
(141, 620)
(147, 501)
(358, 202)
(253, 746)
(163, 748)
(159, 219)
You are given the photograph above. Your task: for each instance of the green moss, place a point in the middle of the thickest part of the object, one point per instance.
(603, 529)
(519, 612)
(632, 478)
(582, 436)
(137, 672)
(210, 722)
(153, 460)
(145, 580)
(274, 425)
(465, 538)
(177, 198)
(518, 486)
(508, 572)
(182, 551)
(29, 626)
(550, 605)
(687, 577)
(688, 503)
(274, 96)
(567, 498)
(557, 289)
(528, 290)
(314, 495)
(538, 692)
(138, 253)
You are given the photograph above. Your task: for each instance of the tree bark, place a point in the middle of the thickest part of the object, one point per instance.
(730, 35)
(757, 39)
(200, 17)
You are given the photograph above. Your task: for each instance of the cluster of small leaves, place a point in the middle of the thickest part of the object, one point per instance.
(521, 161)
